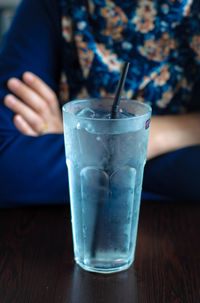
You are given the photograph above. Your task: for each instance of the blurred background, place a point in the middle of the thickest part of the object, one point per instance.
(7, 10)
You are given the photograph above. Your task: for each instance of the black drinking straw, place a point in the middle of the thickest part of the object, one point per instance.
(115, 107)
(114, 111)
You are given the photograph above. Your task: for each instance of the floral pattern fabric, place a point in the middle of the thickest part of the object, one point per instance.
(160, 38)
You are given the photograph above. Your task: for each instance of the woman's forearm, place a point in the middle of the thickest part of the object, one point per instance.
(169, 133)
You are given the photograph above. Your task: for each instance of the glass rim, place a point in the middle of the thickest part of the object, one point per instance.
(104, 119)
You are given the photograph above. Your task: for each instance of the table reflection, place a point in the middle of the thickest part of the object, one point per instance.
(91, 287)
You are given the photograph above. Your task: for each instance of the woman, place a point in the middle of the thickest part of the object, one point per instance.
(61, 50)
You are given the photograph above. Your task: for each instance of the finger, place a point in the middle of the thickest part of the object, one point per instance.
(39, 86)
(25, 93)
(31, 117)
(23, 126)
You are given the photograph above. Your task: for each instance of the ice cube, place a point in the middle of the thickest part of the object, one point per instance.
(86, 113)
(123, 113)
(102, 114)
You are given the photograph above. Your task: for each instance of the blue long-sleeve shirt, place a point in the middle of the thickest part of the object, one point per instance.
(32, 169)
(48, 36)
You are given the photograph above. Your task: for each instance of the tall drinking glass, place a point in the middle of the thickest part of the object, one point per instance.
(105, 159)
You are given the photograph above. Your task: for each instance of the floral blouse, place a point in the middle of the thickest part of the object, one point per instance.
(160, 38)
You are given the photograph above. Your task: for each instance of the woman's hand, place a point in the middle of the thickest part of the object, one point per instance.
(35, 106)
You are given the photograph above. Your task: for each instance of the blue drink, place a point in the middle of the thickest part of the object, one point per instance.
(105, 159)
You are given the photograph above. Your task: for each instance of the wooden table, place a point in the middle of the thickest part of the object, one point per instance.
(36, 258)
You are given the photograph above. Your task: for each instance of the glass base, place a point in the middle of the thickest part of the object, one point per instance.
(103, 268)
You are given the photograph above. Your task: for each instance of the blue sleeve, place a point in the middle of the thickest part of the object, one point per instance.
(32, 170)
(174, 175)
